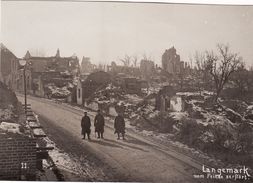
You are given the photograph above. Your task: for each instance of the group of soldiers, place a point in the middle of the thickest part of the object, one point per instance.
(99, 123)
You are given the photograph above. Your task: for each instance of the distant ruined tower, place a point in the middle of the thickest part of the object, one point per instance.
(171, 61)
(27, 55)
(58, 53)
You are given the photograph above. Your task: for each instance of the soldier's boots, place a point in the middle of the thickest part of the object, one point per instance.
(100, 135)
(88, 137)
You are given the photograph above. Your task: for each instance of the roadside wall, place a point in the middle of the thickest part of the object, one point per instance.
(17, 158)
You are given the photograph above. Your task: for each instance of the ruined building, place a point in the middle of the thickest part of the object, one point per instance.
(55, 63)
(129, 71)
(147, 69)
(171, 61)
(56, 71)
(93, 82)
(87, 66)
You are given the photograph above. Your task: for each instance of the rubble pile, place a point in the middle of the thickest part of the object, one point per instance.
(12, 129)
(236, 105)
(12, 121)
(59, 92)
(249, 113)
(110, 92)
(116, 98)
(225, 127)
(219, 126)
(7, 113)
(59, 85)
(211, 127)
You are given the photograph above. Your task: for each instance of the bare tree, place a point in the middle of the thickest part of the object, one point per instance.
(221, 66)
(126, 60)
(201, 62)
(202, 71)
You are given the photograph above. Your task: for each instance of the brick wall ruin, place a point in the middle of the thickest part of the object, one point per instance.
(17, 158)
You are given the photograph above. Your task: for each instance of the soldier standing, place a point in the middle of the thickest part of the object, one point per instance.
(85, 124)
(99, 124)
(119, 125)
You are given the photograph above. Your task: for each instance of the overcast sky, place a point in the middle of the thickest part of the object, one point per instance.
(107, 31)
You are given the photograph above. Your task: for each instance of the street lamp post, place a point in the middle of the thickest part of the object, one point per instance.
(23, 63)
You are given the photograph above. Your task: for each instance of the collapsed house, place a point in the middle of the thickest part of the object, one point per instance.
(167, 99)
(131, 85)
(92, 83)
(51, 76)
(52, 84)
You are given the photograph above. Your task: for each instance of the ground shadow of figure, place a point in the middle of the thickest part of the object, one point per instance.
(126, 145)
(104, 143)
(137, 142)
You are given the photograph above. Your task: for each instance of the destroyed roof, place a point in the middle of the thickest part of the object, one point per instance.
(5, 49)
(57, 56)
(52, 57)
(38, 57)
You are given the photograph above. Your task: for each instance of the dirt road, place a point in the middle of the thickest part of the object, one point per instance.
(135, 159)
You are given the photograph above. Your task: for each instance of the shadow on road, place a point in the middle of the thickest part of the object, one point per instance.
(104, 143)
(126, 145)
(137, 142)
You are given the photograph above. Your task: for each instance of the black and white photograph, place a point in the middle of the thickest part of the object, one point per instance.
(126, 91)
